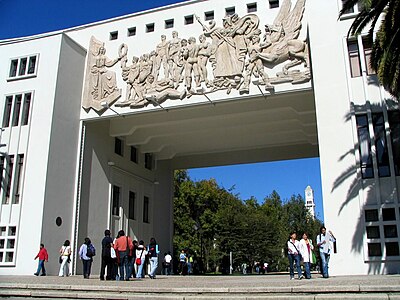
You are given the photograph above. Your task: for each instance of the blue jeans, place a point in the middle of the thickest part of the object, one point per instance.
(124, 266)
(325, 261)
(307, 268)
(294, 259)
(87, 266)
(139, 273)
(153, 265)
(41, 268)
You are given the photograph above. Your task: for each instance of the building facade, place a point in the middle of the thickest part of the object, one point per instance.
(96, 118)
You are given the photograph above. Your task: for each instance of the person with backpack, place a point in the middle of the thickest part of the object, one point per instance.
(294, 255)
(152, 252)
(86, 253)
(324, 243)
(106, 259)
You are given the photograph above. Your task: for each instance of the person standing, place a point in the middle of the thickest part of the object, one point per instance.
(306, 248)
(168, 263)
(43, 257)
(152, 251)
(65, 254)
(106, 259)
(182, 262)
(324, 243)
(294, 255)
(140, 256)
(86, 253)
(124, 246)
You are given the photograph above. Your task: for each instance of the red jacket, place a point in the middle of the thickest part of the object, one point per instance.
(43, 255)
(121, 245)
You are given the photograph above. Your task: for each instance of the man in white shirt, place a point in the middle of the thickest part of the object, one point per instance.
(324, 243)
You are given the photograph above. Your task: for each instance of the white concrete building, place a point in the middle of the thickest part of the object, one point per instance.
(91, 139)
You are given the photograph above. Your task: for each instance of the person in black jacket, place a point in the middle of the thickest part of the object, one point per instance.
(106, 260)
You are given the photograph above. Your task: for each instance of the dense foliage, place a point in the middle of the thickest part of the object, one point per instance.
(210, 222)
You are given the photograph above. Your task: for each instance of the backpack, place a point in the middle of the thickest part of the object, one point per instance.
(91, 251)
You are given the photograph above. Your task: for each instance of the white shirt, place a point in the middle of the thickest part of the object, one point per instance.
(139, 252)
(292, 248)
(83, 251)
(168, 258)
(325, 248)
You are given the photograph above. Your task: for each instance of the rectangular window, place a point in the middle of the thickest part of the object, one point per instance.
(134, 154)
(169, 23)
(115, 200)
(388, 214)
(382, 155)
(7, 111)
(8, 176)
(390, 231)
(150, 27)
(273, 3)
(7, 244)
(32, 65)
(17, 108)
(251, 7)
(373, 232)
(392, 249)
(209, 15)
(189, 20)
(119, 146)
(371, 215)
(132, 31)
(148, 161)
(132, 200)
(2, 159)
(26, 108)
(350, 10)
(367, 45)
(23, 67)
(374, 249)
(113, 35)
(146, 209)
(229, 11)
(367, 170)
(394, 125)
(18, 178)
(13, 68)
(354, 58)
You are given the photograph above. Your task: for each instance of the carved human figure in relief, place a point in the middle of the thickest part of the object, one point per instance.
(145, 67)
(174, 56)
(157, 92)
(130, 74)
(162, 57)
(203, 55)
(191, 66)
(105, 82)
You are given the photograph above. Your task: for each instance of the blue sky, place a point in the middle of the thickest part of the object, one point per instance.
(27, 17)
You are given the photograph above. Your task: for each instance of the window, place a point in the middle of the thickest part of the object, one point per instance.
(394, 125)
(388, 214)
(367, 170)
(169, 23)
(355, 9)
(119, 147)
(132, 31)
(25, 110)
(19, 100)
(209, 15)
(371, 215)
(148, 161)
(392, 249)
(146, 209)
(134, 154)
(7, 111)
(115, 200)
(2, 158)
(382, 155)
(273, 3)
(374, 249)
(373, 232)
(354, 58)
(17, 108)
(132, 199)
(367, 45)
(229, 11)
(113, 35)
(7, 244)
(150, 27)
(390, 231)
(18, 178)
(251, 7)
(23, 67)
(8, 176)
(350, 10)
(189, 20)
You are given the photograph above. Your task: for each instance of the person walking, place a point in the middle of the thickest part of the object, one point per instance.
(182, 262)
(65, 255)
(43, 257)
(167, 263)
(124, 246)
(86, 253)
(152, 252)
(106, 259)
(306, 249)
(294, 255)
(140, 257)
(324, 243)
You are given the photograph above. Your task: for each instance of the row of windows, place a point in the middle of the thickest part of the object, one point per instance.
(381, 145)
(12, 108)
(208, 16)
(7, 244)
(116, 194)
(134, 155)
(23, 67)
(354, 57)
(11, 175)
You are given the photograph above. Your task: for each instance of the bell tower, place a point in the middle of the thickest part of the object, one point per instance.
(310, 204)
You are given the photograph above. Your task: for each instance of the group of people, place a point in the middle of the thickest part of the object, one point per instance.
(303, 251)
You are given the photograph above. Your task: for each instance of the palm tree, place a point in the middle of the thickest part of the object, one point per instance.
(385, 57)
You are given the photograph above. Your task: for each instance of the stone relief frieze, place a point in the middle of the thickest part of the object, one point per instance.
(222, 58)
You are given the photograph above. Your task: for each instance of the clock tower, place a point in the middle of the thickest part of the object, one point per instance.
(310, 204)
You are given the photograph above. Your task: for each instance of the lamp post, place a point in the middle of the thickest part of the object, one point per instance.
(198, 229)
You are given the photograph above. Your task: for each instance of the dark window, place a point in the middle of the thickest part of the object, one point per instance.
(392, 249)
(273, 3)
(350, 10)
(229, 11)
(13, 68)
(209, 15)
(354, 57)
(146, 209)
(388, 214)
(7, 111)
(132, 31)
(17, 108)
(373, 232)
(251, 7)
(367, 170)
(26, 108)
(169, 23)
(22, 66)
(148, 161)
(374, 249)
(9, 171)
(390, 231)
(367, 45)
(115, 200)
(394, 124)
(189, 20)
(382, 155)
(18, 178)
(32, 65)
(119, 147)
(2, 159)
(150, 27)
(113, 35)
(12, 230)
(134, 154)
(132, 199)
(371, 215)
